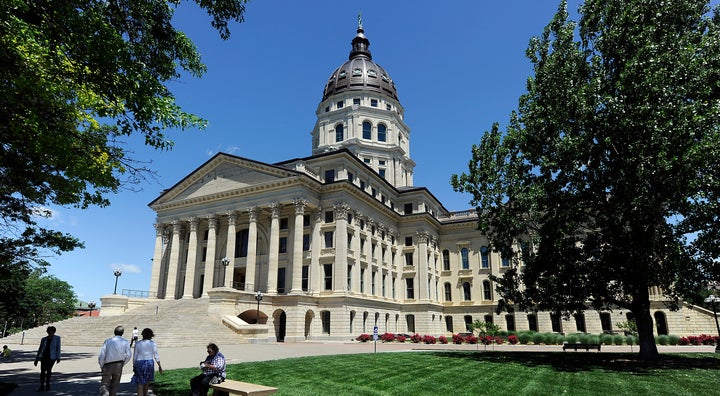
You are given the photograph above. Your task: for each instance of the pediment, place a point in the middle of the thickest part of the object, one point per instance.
(223, 174)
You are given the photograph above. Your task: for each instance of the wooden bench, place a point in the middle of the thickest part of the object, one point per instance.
(241, 388)
(576, 346)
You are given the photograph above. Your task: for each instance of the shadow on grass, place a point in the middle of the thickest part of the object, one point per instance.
(588, 361)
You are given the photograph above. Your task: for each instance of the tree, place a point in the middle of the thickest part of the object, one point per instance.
(608, 172)
(47, 299)
(76, 78)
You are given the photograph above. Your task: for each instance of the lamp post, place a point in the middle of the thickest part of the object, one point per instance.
(258, 297)
(225, 262)
(91, 305)
(713, 299)
(117, 274)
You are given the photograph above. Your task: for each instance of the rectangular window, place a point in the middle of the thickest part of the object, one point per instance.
(327, 276)
(204, 253)
(284, 223)
(329, 175)
(349, 241)
(281, 280)
(381, 171)
(393, 287)
(306, 242)
(362, 185)
(556, 322)
(306, 221)
(532, 322)
(356, 101)
(409, 288)
(510, 322)
(409, 259)
(410, 323)
(325, 319)
(340, 104)
(349, 277)
(372, 282)
(329, 217)
(351, 177)
(241, 243)
(373, 102)
(408, 241)
(580, 323)
(362, 280)
(328, 239)
(282, 247)
(384, 278)
(408, 208)
(388, 107)
(373, 191)
(327, 109)
(449, 324)
(305, 277)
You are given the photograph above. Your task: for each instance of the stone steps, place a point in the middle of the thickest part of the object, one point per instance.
(182, 322)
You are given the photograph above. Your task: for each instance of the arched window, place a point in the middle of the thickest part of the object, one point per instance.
(367, 130)
(382, 133)
(339, 133)
(465, 260)
(487, 292)
(446, 260)
(484, 257)
(466, 291)
(448, 292)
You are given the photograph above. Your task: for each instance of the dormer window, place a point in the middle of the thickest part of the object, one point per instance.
(342, 74)
(372, 73)
(385, 78)
(357, 72)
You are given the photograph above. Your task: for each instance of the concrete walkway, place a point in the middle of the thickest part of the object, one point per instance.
(78, 373)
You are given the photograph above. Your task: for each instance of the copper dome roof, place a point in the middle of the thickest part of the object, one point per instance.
(360, 73)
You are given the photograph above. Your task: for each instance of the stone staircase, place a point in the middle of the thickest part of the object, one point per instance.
(184, 322)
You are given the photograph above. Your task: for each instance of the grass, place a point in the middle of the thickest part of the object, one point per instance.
(471, 373)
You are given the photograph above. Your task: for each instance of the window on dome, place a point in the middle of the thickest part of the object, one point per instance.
(339, 133)
(356, 101)
(373, 102)
(342, 74)
(385, 78)
(372, 73)
(340, 104)
(367, 130)
(357, 72)
(382, 132)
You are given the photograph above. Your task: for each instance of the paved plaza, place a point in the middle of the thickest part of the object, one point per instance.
(78, 373)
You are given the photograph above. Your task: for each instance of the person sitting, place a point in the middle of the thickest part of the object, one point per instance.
(213, 371)
(6, 352)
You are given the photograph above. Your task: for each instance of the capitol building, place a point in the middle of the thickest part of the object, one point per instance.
(342, 241)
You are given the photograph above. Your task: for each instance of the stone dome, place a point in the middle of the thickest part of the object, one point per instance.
(360, 73)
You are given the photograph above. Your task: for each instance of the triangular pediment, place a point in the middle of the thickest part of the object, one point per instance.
(223, 174)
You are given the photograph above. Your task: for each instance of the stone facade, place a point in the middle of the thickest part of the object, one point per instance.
(341, 241)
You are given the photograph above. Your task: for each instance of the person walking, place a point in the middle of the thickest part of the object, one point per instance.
(134, 336)
(114, 354)
(48, 354)
(145, 355)
(213, 371)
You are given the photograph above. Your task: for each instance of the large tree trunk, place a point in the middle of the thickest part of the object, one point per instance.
(646, 339)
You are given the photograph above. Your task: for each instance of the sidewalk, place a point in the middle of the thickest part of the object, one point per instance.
(78, 373)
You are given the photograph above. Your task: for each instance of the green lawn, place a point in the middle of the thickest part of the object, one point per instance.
(472, 373)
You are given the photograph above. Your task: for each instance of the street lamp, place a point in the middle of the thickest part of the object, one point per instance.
(225, 262)
(258, 297)
(713, 299)
(117, 274)
(91, 305)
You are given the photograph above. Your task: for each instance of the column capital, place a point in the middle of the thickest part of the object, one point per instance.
(176, 226)
(252, 213)
(300, 204)
(275, 209)
(232, 217)
(193, 221)
(341, 210)
(159, 229)
(422, 236)
(212, 221)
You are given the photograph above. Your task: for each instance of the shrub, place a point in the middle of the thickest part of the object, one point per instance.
(471, 339)
(618, 339)
(538, 338)
(428, 339)
(606, 339)
(457, 339)
(524, 338)
(512, 339)
(631, 340)
(400, 338)
(387, 337)
(499, 340)
(416, 338)
(674, 340)
(502, 333)
(443, 339)
(662, 339)
(572, 339)
(363, 337)
(584, 338)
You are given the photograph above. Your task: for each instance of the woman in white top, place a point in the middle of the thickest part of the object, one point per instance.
(144, 359)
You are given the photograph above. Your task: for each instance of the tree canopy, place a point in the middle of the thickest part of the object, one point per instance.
(609, 168)
(76, 78)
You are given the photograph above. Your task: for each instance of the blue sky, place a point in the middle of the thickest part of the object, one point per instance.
(458, 68)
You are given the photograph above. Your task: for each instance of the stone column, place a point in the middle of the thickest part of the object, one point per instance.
(341, 248)
(422, 270)
(251, 252)
(315, 272)
(210, 256)
(170, 291)
(191, 264)
(157, 260)
(274, 246)
(297, 260)
(230, 250)
(355, 287)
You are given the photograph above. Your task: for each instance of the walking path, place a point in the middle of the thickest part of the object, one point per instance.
(78, 373)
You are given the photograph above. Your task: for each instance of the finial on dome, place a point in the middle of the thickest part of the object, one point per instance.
(360, 20)
(360, 43)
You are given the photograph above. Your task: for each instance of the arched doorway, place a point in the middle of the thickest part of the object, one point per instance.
(280, 324)
(661, 323)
